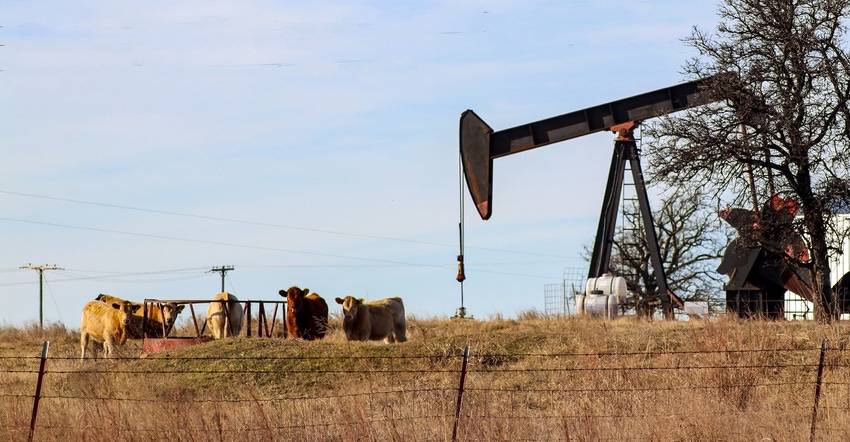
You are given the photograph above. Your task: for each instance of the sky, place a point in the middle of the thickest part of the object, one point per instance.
(307, 143)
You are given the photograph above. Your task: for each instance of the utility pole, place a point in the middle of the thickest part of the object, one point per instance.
(223, 270)
(40, 270)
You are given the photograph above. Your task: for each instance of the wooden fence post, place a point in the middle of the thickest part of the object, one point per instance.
(460, 392)
(38, 388)
(817, 389)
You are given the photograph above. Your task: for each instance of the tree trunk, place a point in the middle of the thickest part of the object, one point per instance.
(826, 307)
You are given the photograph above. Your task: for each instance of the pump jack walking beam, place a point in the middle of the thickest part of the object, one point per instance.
(479, 145)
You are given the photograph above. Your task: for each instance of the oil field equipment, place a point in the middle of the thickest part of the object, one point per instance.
(480, 145)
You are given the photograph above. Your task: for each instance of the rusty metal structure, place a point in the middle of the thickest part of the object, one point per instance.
(265, 325)
(761, 261)
(480, 145)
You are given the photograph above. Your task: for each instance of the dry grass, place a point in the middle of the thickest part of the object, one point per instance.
(532, 378)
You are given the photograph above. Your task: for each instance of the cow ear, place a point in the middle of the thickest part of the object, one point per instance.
(136, 308)
(360, 300)
(339, 301)
(116, 306)
(180, 308)
(306, 291)
(282, 293)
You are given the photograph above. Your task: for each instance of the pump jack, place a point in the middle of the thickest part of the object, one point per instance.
(479, 145)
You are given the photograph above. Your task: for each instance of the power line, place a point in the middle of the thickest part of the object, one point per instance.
(119, 277)
(214, 218)
(199, 241)
(255, 223)
(123, 277)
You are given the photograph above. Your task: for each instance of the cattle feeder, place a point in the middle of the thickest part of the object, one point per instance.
(264, 328)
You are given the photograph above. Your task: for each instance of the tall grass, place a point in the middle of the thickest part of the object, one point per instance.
(532, 378)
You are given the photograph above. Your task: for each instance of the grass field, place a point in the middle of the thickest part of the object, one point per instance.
(530, 379)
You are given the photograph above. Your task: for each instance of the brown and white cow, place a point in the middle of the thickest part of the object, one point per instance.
(373, 320)
(224, 316)
(306, 314)
(157, 317)
(106, 323)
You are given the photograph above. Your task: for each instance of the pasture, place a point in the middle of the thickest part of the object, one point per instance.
(529, 379)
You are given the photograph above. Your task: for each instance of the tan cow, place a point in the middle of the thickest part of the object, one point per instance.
(106, 323)
(224, 318)
(156, 317)
(373, 320)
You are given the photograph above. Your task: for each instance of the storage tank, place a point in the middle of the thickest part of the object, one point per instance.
(608, 285)
(599, 306)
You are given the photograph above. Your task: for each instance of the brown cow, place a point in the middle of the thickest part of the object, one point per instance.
(156, 317)
(306, 315)
(106, 323)
(373, 320)
(225, 318)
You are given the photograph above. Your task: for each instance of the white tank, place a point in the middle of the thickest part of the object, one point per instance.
(599, 306)
(579, 303)
(608, 285)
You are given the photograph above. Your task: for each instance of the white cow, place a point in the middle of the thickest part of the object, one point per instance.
(224, 318)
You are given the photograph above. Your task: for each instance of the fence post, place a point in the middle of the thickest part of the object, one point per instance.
(817, 389)
(460, 392)
(38, 388)
(247, 313)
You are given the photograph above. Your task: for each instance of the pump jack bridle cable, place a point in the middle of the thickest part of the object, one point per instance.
(461, 276)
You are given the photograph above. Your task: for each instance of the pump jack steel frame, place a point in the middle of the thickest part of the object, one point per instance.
(479, 145)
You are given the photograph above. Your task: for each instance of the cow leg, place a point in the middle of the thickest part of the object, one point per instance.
(214, 322)
(400, 327)
(84, 342)
(108, 347)
(228, 328)
(400, 331)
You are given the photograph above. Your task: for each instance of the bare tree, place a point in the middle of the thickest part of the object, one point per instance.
(779, 74)
(690, 238)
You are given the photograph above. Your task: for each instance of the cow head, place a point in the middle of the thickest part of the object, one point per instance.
(170, 311)
(294, 298)
(126, 310)
(349, 306)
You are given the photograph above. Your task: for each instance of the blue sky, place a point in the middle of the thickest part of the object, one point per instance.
(311, 144)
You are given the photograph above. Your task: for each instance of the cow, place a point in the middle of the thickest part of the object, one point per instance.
(373, 320)
(106, 323)
(224, 318)
(157, 316)
(306, 315)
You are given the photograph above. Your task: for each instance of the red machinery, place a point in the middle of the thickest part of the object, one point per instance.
(757, 261)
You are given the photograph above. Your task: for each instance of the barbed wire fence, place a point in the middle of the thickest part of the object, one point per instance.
(470, 396)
